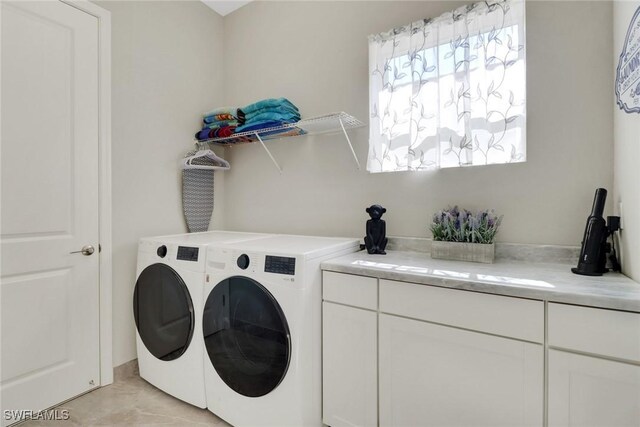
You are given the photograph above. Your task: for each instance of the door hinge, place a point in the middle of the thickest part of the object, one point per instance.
(99, 248)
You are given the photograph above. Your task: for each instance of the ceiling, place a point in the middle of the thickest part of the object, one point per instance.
(224, 7)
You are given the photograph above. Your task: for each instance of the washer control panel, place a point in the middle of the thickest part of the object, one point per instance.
(280, 265)
(186, 253)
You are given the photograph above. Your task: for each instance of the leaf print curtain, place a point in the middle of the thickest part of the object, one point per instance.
(449, 91)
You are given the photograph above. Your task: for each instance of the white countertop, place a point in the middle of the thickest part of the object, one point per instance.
(544, 281)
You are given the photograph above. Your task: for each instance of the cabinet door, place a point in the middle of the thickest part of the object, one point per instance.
(432, 375)
(588, 391)
(349, 359)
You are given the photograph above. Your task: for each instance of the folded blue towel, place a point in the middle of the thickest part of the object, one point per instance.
(261, 125)
(278, 110)
(273, 117)
(266, 103)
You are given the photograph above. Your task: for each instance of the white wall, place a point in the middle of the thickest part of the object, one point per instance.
(168, 66)
(166, 72)
(315, 53)
(627, 153)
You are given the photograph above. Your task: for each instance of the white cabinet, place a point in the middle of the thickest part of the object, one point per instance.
(518, 317)
(433, 375)
(350, 370)
(609, 333)
(406, 355)
(589, 391)
(349, 350)
(349, 289)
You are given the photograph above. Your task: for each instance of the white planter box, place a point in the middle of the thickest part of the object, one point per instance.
(458, 251)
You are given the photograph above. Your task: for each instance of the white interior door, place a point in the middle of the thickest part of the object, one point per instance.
(49, 204)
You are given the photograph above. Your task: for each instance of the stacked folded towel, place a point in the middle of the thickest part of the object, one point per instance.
(218, 123)
(267, 113)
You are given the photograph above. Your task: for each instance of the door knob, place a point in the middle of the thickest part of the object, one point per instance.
(86, 250)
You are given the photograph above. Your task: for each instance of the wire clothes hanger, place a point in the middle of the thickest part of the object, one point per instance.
(204, 159)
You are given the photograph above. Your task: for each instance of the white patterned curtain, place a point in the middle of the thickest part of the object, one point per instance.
(449, 91)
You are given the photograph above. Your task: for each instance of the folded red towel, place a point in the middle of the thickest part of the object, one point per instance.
(217, 132)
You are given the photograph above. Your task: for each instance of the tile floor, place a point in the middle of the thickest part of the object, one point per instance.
(130, 401)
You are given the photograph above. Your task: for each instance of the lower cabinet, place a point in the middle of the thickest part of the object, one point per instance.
(405, 355)
(350, 368)
(589, 391)
(432, 375)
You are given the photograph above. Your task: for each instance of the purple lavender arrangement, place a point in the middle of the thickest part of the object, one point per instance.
(455, 225)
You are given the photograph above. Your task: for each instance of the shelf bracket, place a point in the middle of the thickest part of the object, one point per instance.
(268, 152)
(346, 135)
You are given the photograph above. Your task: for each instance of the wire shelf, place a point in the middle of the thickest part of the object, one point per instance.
(328, 123)
(312, 126)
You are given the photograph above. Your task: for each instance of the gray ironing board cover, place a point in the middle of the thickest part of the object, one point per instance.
(197, 194)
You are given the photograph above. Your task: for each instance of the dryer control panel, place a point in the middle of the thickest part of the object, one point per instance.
(280, 265)
(186, 253)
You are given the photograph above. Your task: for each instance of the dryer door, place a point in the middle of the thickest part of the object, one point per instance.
(163, 311)
(246, 336)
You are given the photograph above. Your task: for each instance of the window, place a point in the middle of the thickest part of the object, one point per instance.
(450, 91)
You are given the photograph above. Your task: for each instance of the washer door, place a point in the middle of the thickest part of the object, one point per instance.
(246, 336)
(163, 311)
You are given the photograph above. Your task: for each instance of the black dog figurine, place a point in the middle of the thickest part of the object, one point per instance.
(375, 241)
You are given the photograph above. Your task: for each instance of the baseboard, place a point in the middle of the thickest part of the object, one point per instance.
(126, 370)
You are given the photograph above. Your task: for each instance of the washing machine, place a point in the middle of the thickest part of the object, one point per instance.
(167, 307)
(262, 329)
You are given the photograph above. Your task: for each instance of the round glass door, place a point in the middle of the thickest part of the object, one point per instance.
(163, 312)
(246, 336)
